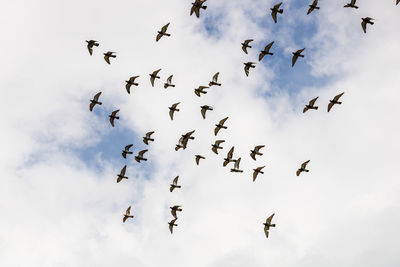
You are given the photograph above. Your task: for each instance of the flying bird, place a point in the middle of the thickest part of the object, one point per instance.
(247, 67)
(121, 175)
(296, 55)
(229, 157)
(174, 209)
(140, 157)
(352, 4)
(311, 105)
(366, 21)
(172, 109)
(113, 117)
(172, 224)
(198, 157)
(127, 214)
(154, 76)
(90, 45)
(196, 7)
(200, 90)
(174, 184)
(131, 82)
(276, 10)
(126, 151)
(217, 146)
(335, 100)
(163, 32)
(313, 6)
(268, 224)
(182, 143)
(95, 101)
(204, 109)
(148, 138)
(108, 55)
(256, 151)
(214, 80)
(257, 171)
(236, 166)
(246, 45)
(169, 82)
(220, 125)
(303, 168)
(265, 51)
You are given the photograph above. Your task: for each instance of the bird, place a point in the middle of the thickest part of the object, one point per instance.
(174, 209)
(113, 117)
(121, 175)
(172, 109)
(204, 110)
(140, 157)
(276, 10)
(172, 224)
(182, 143)
(246, 45)
(257, 171)
(95, 101)
(236, 166)
(366, 21)
(127, 214)
(126, 151)
(311, 105)
(163, 32)
(148, 138)
(229, 157)
(303, 168)
(169, 82)
(108, 55)
(220, 125)
(217, 146)
(335, 100)
(200, 90)
(214, 80)
(256, 151)
(131, 82)
(90, 45)
(196, 7)
(352, 4)
(247, 67)
(296, 55)
(265, 51)
(268, 224)
(198, 157)
(154, 76)
(397, 2)
(313, 6)
(174, 184)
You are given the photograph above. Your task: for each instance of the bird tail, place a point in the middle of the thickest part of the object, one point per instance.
(372, 23)
(178, 186)
(96, 44)
(317, 7)
(224, 127)
(204, 7)
(261, 172)
(167, 34)
(172, 85)
(280, 11)
(272, 225)
(99, 103)
(117, 118)
(316, 107)
(128, 152)
(176, 109)
(306, 170)
(144, 159)
(113, 56)
(301, 55)
(339, 103)
(151, 139)
(271, 54)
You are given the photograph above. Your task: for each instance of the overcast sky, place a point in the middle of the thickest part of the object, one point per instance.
(60, 203)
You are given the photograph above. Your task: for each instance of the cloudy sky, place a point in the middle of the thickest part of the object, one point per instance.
(59, 200)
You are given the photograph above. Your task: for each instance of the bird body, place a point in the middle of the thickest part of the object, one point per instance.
(214, 80)
(108, 55)
(126, 151)
(172, 109)
(247, 67)
(366, 21)
(296, 55)
(182, 143)
(148, 138)
(113, 117)
(196, 7)
(303, 168)
(311, 105)
(256, 151)
(95, 101)
(198, 157)
(352, 4)
(217, 146)
(163, 32)
(229, 157)
(204, 110)
(268, 224)
(246, 45)
(256, 172)
(90, 45)
(220, 125)
(140, 157)
(127, 214)
(313, 6)
(174, 209)
(200, 90)
(335, 100)
(174, 184)
(172, 224)
(236, 166)
(265, 51)
(131, 82)
(121, 175)
(154, 76)
(275, 10)
(169, 82)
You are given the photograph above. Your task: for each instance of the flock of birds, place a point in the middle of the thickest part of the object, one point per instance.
(184, 139)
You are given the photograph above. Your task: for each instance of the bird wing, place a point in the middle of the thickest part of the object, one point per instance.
(257, 148)
(203, 87)
(125, 218)
(128, 147)
(216, 130)
(197, 92)
(248, 41)
(304, 165)
(269, 219)
(149, 134)
(173, 212)
(268, 47)
(91, 106)
(253, 155)
(266, 228)
(298, 172)
(305, 109)
(221, 122)
(214, 150)
(261, 56)
(114, 112)
(175, 181)
(122, 173)
(128, 211)
(364, 26)
(171, 188)
(152, 78)
(215, 77)
(273, 14)
(237, 162)
(353, 2)
(218, 142)
(277, 6)
(188, 134)
(197, 159)
(164, 28)
(244, 48)
(255, 173)
(112, 121)
(107, 59)
(175, 105)
(312, 101)
(310, 9)
(171, 224)
(197, 11)
(294, 59)
(171, 113)
(246, 70)
(397, 2)
(145, 141)
(128, 87)
(203, 112)
(169, 80)
(330, 105)
(141, 153)
(96, 96)
(230, 153)
(336, 98)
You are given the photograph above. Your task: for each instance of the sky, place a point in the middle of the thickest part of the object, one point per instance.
(60, 203)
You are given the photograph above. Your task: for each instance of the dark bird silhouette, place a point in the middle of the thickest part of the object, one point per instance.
(303, 168)
(268, 224)
(131, 82)
(172, 224)
(220, 125)
(172, 109)
(246, 45)
(182, 143)
(140, 157)
(169, 82)
(198, 157)
(200, 90)
(95, 101)
(276, 10)
(217, 146)
(352, 4)
(265, 51)
(196, 7)
(311, 105)
(174, 184)
(127, 214)
(113, 117)
(247, 67)
(335, 100)
(154, 76)
(366, 21)
(174, 209)
(126, 151)
(90, 45)
(148, 138)
(236, 166)
(229, 157)
(204, 109)
(121, 175)
(296, 55)
(108, 55)
(397, 2)
(163, 32)
(313, 6)
(214, 80)
(257, 171)
(256, 151)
